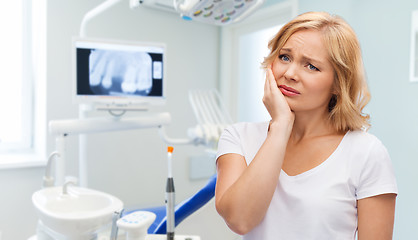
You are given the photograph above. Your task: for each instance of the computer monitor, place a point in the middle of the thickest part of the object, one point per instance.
(119, 73)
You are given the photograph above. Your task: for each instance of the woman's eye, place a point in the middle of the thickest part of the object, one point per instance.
(312, 67)
(284, 58)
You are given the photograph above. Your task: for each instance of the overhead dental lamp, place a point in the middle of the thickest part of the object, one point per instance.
(218, 12)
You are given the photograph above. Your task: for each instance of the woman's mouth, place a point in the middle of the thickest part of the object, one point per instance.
(288, 91)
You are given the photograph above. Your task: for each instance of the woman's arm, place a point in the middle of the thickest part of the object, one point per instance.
(243, 193)
(376, 217)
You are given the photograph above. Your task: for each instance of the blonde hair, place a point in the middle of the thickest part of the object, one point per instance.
(350, 93)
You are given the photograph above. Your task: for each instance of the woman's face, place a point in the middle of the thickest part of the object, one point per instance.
(304, 73)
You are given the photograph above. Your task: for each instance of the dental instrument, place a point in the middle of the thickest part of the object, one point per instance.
(170, 196)
(114, 230)
(136, 224)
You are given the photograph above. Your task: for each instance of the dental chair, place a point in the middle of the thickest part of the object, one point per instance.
(198, 215)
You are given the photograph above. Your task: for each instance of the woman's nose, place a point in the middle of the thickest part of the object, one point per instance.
(291, 72)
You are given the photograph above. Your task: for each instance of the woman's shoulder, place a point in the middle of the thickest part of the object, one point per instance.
(365, 142)
(242, 138)
(371, 165)
(363, 137)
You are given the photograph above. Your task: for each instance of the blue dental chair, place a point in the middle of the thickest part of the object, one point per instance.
(183, 209)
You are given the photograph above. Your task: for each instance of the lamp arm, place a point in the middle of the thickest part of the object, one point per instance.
(94, 12)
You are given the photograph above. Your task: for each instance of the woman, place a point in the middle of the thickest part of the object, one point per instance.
(312, 172)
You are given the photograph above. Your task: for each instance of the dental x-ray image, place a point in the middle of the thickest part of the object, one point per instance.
(118, 70)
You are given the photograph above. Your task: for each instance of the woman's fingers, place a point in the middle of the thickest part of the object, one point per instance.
(271, 79)
(267, 82)
(270, 84)
(270, 93)
(274, 100)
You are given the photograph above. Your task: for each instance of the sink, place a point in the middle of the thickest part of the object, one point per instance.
(75, 212)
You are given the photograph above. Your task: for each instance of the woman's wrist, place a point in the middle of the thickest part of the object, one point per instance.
(284, 126)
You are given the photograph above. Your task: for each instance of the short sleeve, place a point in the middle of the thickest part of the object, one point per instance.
(377, 176)
(229, 142)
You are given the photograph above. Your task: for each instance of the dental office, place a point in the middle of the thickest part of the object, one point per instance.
(98, 163)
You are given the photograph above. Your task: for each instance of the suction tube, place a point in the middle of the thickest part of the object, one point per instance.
(170, 197)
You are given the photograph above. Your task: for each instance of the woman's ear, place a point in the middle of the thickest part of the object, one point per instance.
(332, 102)
(334, 97)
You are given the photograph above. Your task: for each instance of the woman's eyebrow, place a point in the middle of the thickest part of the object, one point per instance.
(304, 57)
(310, 59)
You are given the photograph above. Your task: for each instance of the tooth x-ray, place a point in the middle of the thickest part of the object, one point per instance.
(119, 70)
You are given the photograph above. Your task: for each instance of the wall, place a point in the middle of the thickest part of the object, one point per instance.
(384, 29)
(130, 165)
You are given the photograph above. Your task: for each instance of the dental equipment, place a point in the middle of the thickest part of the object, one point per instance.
(63, 128)
(71, 212)
(48, 179)
(218, 12)
(212, 118)
(207, 131)
(114, 230)
(94, 12)
(170, 196)
(136, 224)
(115, 76)
(208, 108)
(183, 209)
(211, 115)
(99, 125)
(118, 75)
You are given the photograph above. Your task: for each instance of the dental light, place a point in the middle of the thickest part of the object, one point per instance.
(218, 12)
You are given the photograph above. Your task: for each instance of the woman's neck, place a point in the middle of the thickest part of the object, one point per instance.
(310, 124)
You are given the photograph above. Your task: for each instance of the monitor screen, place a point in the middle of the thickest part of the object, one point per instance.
(119, 73)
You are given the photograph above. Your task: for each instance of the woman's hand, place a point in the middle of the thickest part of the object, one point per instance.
(275, 102)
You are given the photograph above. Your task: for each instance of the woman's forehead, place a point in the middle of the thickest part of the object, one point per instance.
(308, 43)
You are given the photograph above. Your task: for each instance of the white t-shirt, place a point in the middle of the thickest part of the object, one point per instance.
(320, 203)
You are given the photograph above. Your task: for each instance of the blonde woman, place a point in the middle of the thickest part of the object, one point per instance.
(312, 172)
